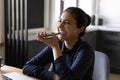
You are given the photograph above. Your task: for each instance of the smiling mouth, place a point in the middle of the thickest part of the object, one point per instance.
(62, 32)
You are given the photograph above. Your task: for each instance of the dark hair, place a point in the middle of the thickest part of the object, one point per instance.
(82, 19)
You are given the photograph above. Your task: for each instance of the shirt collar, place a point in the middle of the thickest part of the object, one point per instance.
(74, 48)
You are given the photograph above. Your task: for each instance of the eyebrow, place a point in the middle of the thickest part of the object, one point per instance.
(65, 19)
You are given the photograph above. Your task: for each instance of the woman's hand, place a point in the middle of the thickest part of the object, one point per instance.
(52, 41)
(55, 77)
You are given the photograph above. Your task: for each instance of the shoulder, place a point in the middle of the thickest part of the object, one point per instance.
(84, 44)
(84, 47)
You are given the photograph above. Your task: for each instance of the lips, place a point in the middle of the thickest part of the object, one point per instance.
(62, 32)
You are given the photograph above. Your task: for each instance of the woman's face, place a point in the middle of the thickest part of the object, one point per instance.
(67, 27)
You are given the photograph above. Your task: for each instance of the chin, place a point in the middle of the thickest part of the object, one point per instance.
(60, 37)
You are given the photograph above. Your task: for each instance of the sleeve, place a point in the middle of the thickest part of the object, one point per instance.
(82, 61)
(35, 66)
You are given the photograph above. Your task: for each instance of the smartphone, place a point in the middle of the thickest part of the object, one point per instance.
(49, 35)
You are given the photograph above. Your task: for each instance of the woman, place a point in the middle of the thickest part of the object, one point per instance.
(72, 58)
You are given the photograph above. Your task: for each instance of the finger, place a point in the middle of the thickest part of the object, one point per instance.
(54, 35)
(39, 37)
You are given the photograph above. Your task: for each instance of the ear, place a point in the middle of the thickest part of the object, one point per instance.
(81, 29)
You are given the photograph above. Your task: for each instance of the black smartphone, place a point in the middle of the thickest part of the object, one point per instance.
(49, 35)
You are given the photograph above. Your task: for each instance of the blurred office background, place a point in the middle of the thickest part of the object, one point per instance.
(21, 19)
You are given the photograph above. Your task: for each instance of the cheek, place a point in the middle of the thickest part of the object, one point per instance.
(73, 32)
(70, 29)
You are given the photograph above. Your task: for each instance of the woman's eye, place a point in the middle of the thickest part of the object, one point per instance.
(66, 22)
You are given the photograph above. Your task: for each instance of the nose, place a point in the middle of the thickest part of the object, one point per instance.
(60, 24)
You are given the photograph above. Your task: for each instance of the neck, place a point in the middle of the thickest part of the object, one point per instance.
(69, 44)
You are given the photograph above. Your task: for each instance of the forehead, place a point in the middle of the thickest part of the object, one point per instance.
(67, 16)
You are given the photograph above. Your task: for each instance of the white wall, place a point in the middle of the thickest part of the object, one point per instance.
(2, 52)
(52, 22)
(68, 3)
(87, 5)
(109, 10)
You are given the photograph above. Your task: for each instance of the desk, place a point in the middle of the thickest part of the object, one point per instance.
(8, 69)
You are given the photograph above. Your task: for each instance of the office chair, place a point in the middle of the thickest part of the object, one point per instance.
(101, 66)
